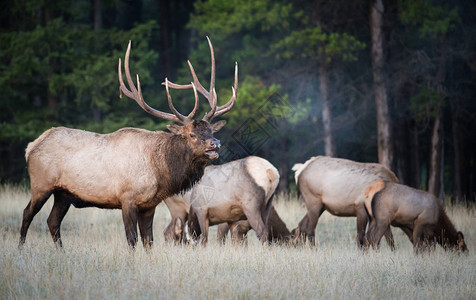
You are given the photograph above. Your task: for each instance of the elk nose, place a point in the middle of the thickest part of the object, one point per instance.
(215, 143)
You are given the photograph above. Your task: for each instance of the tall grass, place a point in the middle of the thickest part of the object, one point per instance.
(97, 264)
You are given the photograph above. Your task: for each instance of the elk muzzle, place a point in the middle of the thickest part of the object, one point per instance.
(213, 147)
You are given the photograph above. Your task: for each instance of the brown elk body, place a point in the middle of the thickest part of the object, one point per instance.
(238, 190)
(130, 169)
(336, 185)
(418, 213)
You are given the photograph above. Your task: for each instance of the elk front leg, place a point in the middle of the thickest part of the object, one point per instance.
(417, 238)
(129, 217)
(59, 210)
(408, 232)
(146, 219)
(223, 229)
(203, 222)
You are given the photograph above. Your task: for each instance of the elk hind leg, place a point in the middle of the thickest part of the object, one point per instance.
(59, 210)
(38, 199)
(389, 238)
(362, 220)
(375, 233)
(256, 222)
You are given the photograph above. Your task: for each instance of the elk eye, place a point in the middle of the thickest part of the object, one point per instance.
(192, 135)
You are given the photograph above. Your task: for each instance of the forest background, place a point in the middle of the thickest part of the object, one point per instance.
(390, 81)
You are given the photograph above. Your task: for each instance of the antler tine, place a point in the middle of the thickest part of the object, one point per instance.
(196, 82)
(192, 113)
(230, 103)
(211, 94)
(212, 99)
(182, 118)
(136, 93)
(227, 106)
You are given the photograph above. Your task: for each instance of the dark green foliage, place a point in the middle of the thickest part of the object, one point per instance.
(57, 69)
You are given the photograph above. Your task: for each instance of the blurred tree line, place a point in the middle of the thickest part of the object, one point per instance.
(369, 80)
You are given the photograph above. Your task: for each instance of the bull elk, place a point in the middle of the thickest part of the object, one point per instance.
(131, 169)
(336, 185)
(419, 214)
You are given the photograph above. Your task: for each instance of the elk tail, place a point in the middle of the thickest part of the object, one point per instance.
(33, 145)
(370, 192)
(298, 168)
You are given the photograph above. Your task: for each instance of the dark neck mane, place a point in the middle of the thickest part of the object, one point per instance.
(179, 169)
(445, 232)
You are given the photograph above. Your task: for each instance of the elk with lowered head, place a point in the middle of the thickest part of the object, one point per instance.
(131, 169)
(238, 190)
(418, 213)
(336, 185)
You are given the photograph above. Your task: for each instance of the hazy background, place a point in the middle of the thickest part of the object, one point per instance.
(58, 67)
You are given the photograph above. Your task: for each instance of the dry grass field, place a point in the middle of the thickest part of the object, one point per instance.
(97, 264)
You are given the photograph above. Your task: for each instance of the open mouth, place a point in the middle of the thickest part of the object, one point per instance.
(211, 154)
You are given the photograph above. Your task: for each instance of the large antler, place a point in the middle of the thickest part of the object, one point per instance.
(136, 94)
(211, 94)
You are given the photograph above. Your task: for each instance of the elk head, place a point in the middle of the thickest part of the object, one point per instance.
(198, 134)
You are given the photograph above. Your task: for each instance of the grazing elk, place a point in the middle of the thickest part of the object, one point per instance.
(336, 185)
(277, 230)
(238, 190)
(179, 206)
(248, 182)
(130, 169)
(419, 214)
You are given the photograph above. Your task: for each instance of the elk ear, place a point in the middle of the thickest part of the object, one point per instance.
(218, 125)
(178, 227)
(175, 129)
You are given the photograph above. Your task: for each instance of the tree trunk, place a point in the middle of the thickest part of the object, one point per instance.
(457, 183)
(435, 176)
(329, 144)
(384, 136)
(435, 169)
(402, 151)
(415, 179)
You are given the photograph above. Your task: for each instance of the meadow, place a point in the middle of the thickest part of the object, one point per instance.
(96, 262)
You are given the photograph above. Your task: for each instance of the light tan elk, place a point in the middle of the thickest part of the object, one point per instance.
(336, 185)
(130, 169)
(419, 214)
(277, 230)
(238, 190)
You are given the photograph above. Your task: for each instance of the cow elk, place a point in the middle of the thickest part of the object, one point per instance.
(336, 185)
(130, 169)
(238, 190)
(419, 214)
